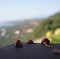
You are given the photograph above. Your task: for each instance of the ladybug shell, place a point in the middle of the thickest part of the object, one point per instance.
(17, 42)
(30, 42)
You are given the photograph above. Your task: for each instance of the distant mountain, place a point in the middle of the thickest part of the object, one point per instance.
(18, 22)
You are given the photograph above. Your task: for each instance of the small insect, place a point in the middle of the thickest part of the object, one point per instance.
(18, 43)
(46, 42)
(30, 42)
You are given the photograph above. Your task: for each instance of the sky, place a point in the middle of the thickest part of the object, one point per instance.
(26, 9)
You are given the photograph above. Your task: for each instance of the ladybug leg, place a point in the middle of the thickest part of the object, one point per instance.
(19, 45)
(45, 44)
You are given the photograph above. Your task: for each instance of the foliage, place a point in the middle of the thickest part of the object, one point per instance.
(57, 32)
(55, 39)
(49, 24)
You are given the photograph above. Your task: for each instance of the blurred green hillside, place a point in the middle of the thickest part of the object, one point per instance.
(31, 29)
(21, 30)
(49, 24)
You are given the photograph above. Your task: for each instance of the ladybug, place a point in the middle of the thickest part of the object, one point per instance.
(18, 43)
(45, 40)
(30, 42)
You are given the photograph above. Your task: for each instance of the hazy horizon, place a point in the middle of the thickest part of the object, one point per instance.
(11, 10)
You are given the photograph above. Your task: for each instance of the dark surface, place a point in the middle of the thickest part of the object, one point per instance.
(29, 51)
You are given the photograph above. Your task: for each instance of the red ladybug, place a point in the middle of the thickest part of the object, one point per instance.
(18, 43)
(30, 42)
(46, 41)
